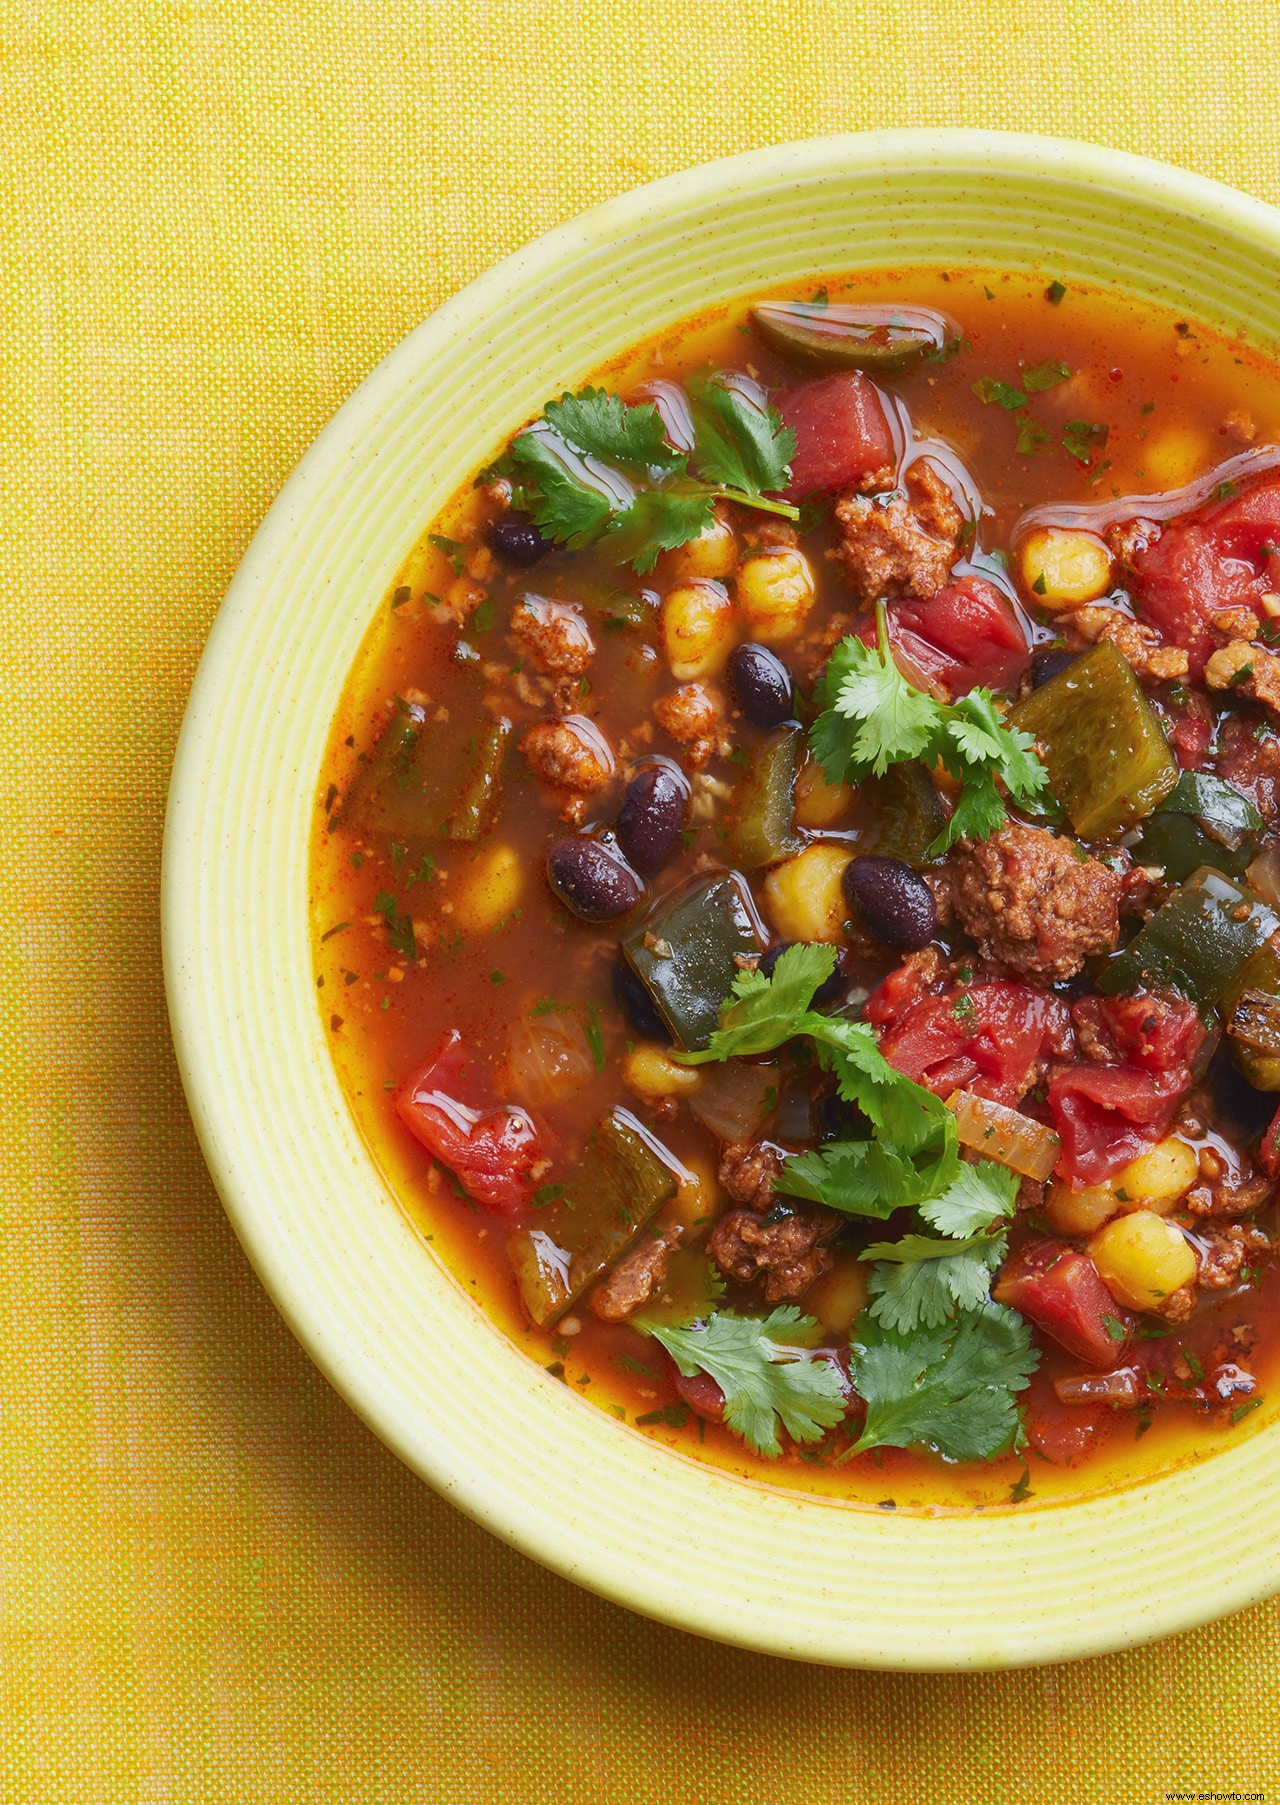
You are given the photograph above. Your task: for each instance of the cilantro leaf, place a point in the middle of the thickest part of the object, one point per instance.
(1037, 377)
(979, 1194)
(892, 721)
(987, 388)
(593, 467)
(951, 1388)
(903, 1111)
(657, 521)
(924, 1279)
(861, 1178)
(1081, 438)
(765, 1373)
(601, 425)
(740, 443)
(568, 510)
(764, 1012)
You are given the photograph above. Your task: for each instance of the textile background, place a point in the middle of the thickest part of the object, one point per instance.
(215, 1585)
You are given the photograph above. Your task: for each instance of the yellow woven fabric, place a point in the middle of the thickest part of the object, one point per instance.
(215, 1585)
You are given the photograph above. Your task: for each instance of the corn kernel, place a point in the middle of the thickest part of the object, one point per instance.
(820, 803)
(1063, 568)
(837, 1297)
(713, 554)
(1158, 1179)
(651, 1073)
(804, 897)
(775, 593)
(488, 890)
(1142, 1259)
(699, 629)
(1176, 457)
(1080, 1212)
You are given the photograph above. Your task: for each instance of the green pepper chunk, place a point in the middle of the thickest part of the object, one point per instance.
(421, 782)
(618, 1185)
(480, 798)
(761, 816)
(882, 341)
(1180, 845)
(1196, 943)
(1251, 1009)
(908, 812)
(1108, 761)
(686, 954)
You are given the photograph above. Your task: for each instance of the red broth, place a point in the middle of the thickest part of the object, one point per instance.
(529, 987)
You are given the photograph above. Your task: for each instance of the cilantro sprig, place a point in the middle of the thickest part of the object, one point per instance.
(930, 1289)
(765, 1371)
(953, 1387)
(594, 468)
(874, 718)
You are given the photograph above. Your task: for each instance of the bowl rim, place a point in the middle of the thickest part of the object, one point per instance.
(185, 853)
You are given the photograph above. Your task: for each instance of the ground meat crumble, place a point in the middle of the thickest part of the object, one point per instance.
(1035, 902)
(901, 544)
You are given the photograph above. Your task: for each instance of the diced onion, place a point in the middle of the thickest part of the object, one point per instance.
(548, 1060)
(735, 1099)
(1005, 1135)
(1121, 1388)
(1264, 876)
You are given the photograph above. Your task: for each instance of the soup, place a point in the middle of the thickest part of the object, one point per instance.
(796, 888)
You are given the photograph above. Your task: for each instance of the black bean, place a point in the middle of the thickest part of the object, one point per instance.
(761, 685)
(651, 818)
(1048, 663)
(515, 539)
(637, 1005)
(827, 992)
(592, 880)
(893, 901)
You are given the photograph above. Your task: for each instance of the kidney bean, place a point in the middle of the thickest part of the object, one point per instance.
(1049, 662)
(761, 685)
(515, 539)
(651, 818)
(592, 879)
(637, 1005)
(893, 901)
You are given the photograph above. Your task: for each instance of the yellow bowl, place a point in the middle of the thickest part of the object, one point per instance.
(563, 1481)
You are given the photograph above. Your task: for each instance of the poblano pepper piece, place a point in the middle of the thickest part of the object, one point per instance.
(881, 341)
(908, 812)
(761, 815)
(617, 1186)
(1195, 943)
(1109, 763)
(686, 954)
(1251, 1010)
(421, 782)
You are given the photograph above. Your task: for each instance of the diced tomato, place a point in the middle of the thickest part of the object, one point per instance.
(1191, 737)
(964, 635)
(1060, 1290)
(988, 1038)
(490, 1152)
(1107, 1115)
(703, 1396)
(841, 431)
(1061, 1433)
(1218, 556)
(1155, 1032)
(1269, 1151)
